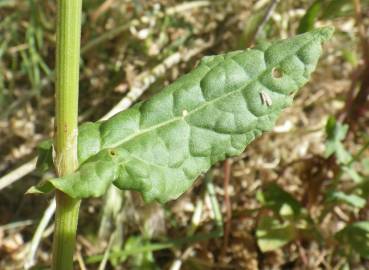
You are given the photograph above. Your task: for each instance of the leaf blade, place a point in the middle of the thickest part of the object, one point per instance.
(160, 146)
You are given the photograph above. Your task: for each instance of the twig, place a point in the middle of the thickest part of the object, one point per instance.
(187, 6)
(361, 28)
(81, 263)
(228, 205)
(356, 107)
(101, 9)
(147, 78)
(266, 17)
(355, 77)
(107, 252)
(106, 36)
(196, 217)
(124, 27)
(178, 262)
(302, 254)
(144, 80)
(36, 239)
(214, 204)
(112, 205)
(18, 173)
(15, 225)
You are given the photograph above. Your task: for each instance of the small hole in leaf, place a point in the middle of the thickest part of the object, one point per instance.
(277, 73)
(112, 152)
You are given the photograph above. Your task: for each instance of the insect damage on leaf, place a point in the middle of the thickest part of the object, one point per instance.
(160, 146)
(266, 99)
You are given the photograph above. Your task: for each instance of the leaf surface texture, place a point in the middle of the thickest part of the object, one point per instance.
(160, 146)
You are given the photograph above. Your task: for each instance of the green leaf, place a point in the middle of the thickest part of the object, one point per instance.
(351, 199)
(45, 155)
(272, 234)
(311, 15)
(160, 146)
(280, 201)
(341, 8)
(335, 130)
(365, 165)
(353, 174)
(350, 56)
(289, 219)
(251, 25)
(336, 133)
(141, 260)
(356, 236)
(338, 8)
(327, 10)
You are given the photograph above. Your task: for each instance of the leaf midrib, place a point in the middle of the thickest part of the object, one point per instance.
(206, 103)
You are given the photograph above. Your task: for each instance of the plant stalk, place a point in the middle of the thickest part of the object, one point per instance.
(66, 161)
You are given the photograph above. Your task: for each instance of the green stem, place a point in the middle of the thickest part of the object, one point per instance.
(67, 78)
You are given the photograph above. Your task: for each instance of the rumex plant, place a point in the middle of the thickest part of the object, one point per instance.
(161, 145)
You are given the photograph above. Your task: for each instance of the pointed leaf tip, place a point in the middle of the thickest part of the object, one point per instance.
(42, 188)
(325, 33)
